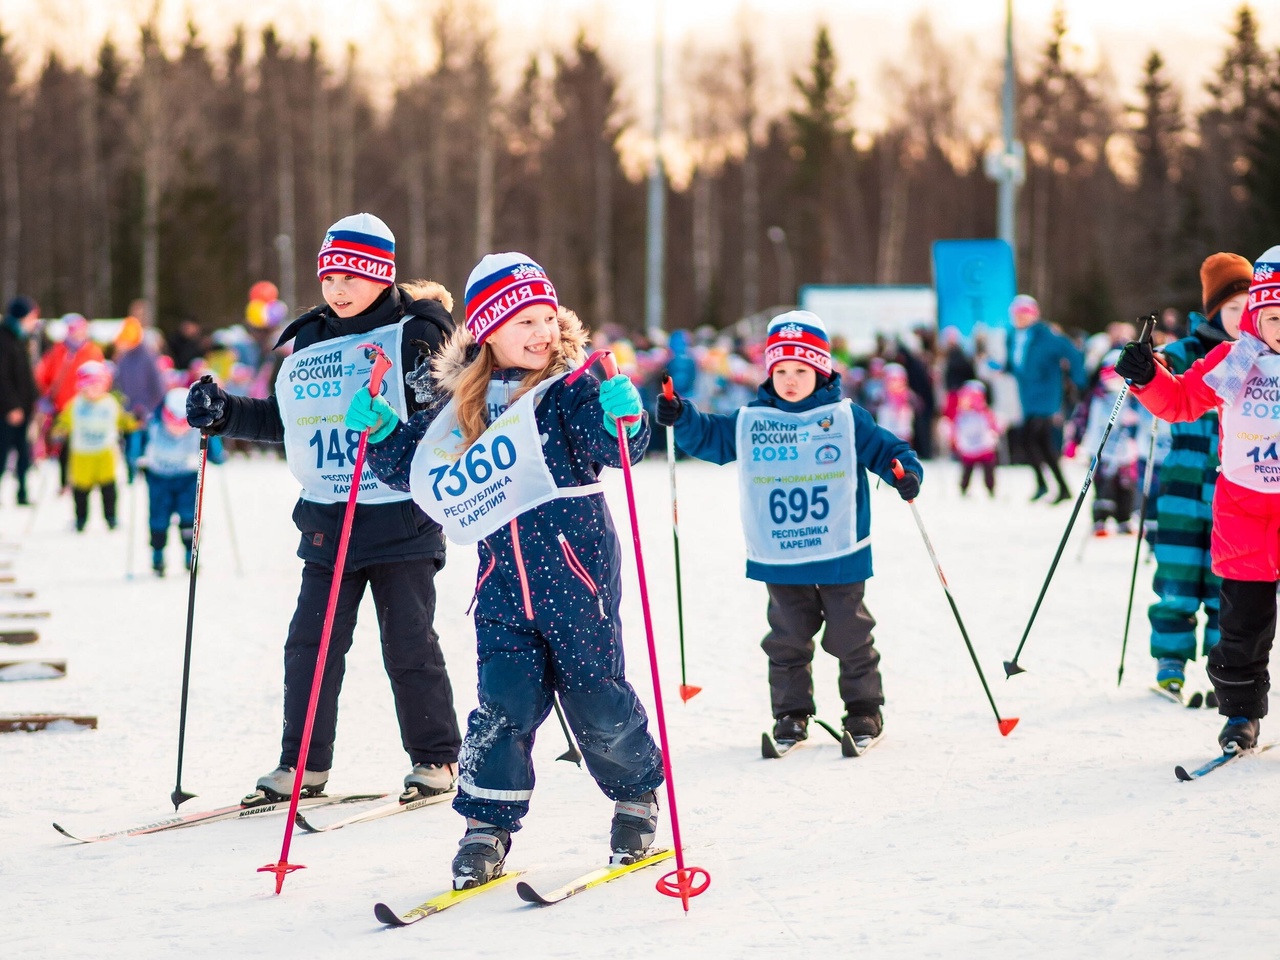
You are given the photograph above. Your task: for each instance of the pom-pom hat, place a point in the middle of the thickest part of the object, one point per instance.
(360, 245)
(500, 286)
(1264, 291)
(798, 335)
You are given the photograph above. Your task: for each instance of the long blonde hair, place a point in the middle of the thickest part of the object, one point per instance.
(471, 399)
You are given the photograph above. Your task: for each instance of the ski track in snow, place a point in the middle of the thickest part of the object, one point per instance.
(1069, 838)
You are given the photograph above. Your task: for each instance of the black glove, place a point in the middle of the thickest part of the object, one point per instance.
(206, 406)
(1137, 362)
(908, 485)
(669, 410)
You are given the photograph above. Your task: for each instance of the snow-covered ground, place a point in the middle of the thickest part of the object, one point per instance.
(1069, 838)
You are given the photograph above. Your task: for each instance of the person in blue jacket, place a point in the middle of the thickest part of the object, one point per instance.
(803, 455)
(507, 453)
(169, 457)
(1036, 358)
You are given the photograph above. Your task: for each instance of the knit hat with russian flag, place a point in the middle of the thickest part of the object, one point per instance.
(1264, 291)
(798, 335)
(361, 245)
(500, 286)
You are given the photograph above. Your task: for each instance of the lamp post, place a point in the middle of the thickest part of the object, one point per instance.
(786, 269)
(655, 228)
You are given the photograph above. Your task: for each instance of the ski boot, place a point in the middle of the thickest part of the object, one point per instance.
(1171, 674)
(481, 853)
(635, 824)
(277, 786)
(791, 728)
(428, 779)
(864, 726)
(1239, 733)
(157, 562)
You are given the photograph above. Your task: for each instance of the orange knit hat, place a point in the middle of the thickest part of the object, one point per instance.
(1222, 276)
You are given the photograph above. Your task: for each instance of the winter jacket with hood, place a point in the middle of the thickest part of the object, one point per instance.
(381, 532)
(526, 563)
(17, 383)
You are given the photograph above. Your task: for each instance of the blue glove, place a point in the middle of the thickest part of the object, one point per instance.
(619, 398)
(374, 414)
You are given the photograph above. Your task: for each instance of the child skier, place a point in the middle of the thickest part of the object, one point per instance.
(170, 459)
(1241, 380)
(92, 422)
(395, 549)
(1184, 577)
(897, 410)
(510, 455)
(975, 435)
(808, 531)
(1116, 478)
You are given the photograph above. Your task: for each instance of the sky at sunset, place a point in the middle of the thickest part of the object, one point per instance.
(869, 34)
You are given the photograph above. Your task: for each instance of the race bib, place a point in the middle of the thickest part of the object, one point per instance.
(797, 481)
(1251, 430)
(473, 491)
(314, 388)
(95, 425)
(974, 435)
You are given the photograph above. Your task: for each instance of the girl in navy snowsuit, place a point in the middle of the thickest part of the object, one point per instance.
(508, 453)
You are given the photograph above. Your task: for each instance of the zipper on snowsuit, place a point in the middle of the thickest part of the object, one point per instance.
(524, 578)
(580, 571)
(493, 562)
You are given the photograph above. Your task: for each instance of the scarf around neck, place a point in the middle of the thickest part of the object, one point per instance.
(1227, 378)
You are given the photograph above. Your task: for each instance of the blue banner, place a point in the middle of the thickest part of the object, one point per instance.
(975, 283)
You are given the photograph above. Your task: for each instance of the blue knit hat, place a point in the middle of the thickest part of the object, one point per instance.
(361, 245)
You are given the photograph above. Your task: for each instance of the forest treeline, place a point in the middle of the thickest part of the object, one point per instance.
(184, 174)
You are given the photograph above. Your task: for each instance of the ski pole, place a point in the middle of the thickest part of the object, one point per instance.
(1137, 549)
(683, 882)
(1011, 666)
(180, 796)
(687, 691)
(1005, 726)
(283, 867)
(573, 754)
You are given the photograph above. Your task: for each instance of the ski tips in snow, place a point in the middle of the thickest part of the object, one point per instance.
(688, 691)
(1011, 668)
(1006, 726)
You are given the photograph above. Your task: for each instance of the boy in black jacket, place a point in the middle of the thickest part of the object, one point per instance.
(394, 548)
(17, 387)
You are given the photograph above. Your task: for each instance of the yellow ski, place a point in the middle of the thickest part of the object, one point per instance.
(589, 880)
(444, 901)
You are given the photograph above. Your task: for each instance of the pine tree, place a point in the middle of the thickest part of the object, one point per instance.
(1157, 140)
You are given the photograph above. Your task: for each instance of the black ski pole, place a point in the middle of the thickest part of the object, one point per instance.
(1137, 549)
(180, 796)
(1011, 667)
(687, 690)
(573, 754)
(1005, 725)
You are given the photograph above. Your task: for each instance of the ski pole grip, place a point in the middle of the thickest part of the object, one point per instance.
(610, 364)
(381, 364)
(668, 388)
(898, 472)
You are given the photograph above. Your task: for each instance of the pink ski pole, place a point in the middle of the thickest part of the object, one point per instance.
(283, 867)
(683, 882)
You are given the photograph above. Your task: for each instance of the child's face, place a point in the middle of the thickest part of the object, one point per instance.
(1231, 313)
(793, 380)
(94, 389)
(528, 339)
(1269, 327)
(349, 295)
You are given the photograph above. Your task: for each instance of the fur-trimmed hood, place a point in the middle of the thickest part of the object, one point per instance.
(460, 351)
(427, 290)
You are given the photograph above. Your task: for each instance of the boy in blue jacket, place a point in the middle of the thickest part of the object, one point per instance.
(803, 454)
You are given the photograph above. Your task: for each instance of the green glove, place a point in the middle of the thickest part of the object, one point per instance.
(619, 398)
(374, 414)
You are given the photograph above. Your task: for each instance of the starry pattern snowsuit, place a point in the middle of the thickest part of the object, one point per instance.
(547, 620)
